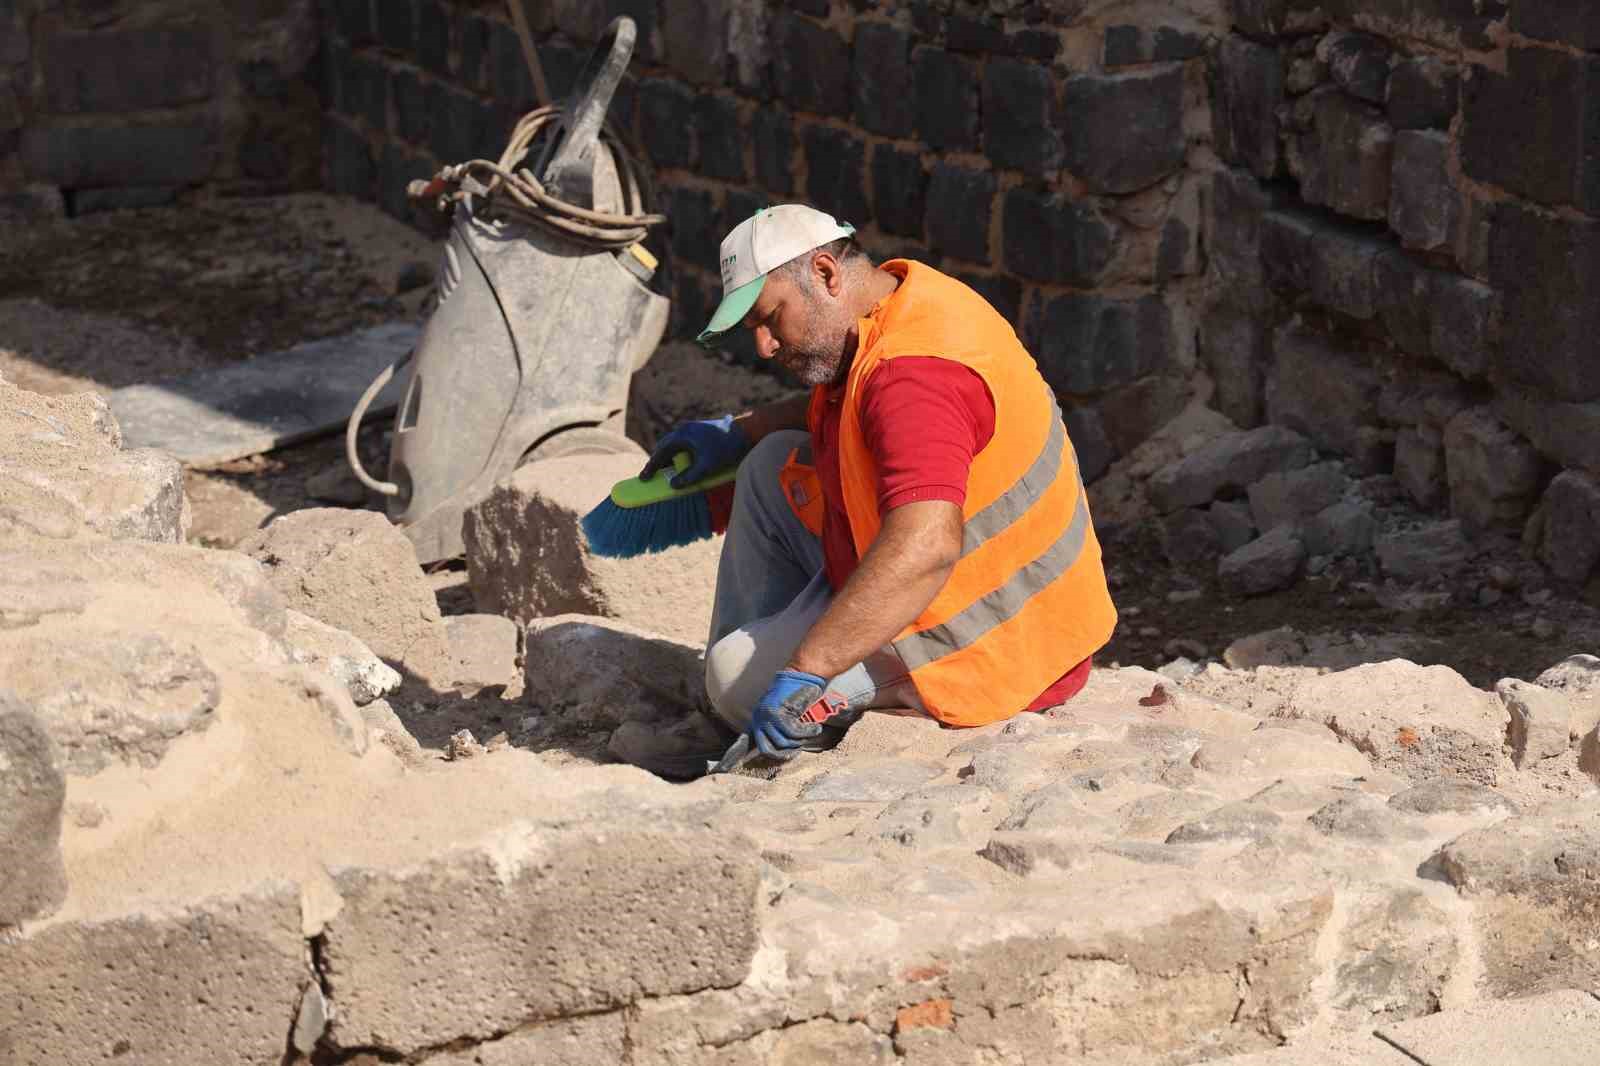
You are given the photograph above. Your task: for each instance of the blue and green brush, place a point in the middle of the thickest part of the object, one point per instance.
(647, 514)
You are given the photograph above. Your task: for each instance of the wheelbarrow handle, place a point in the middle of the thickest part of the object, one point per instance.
(353, 428)
(568, 164)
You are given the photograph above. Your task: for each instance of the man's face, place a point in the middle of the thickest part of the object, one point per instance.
(804, 327)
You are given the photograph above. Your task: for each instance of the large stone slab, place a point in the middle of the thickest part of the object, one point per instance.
(1578, 678)
(33, 881)
(1494, 473)
(1322, 388)
(1229, 463)
(355, 571)
(179, 984)
(602, 672)
(1570, 546)
(527, 557)
(1534, 882)
(265, 402)
(63, 471)
(543, 923)
(1420, 722)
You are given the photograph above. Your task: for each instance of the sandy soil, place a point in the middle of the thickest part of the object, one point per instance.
(129, 297)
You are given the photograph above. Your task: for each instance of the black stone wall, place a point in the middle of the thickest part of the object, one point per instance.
(1406, 249)
(122, 103)
(1053, 158)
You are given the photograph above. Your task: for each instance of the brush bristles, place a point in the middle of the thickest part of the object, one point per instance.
(623, 532)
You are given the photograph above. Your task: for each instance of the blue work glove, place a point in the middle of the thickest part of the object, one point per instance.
(789, 717)
(713, 444)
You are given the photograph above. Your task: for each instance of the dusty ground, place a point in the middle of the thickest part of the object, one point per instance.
(129, 297)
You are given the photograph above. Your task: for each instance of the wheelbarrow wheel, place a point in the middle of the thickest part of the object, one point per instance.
(583, 440)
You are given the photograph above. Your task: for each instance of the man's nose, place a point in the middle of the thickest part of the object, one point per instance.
(766, 343)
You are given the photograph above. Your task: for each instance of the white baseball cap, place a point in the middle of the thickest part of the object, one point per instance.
(761, 243)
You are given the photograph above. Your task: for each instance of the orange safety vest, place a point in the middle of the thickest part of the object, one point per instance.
(1028, 598)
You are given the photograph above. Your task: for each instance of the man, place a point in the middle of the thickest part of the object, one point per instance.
(948, 566)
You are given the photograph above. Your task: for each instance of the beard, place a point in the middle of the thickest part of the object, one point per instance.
(816, 358)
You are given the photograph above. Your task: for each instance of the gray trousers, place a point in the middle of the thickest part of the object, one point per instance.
(771, 590)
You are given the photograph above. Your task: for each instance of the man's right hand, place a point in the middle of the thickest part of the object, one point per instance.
(713, 445)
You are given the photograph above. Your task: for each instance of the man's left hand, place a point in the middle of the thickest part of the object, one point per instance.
(784, 719)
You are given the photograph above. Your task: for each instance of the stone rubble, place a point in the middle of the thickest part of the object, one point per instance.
(527, 558)
(1356, 844)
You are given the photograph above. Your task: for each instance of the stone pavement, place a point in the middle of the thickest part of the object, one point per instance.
(1556, 1029)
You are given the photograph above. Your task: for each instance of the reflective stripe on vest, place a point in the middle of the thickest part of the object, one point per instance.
(1012, 504)
(997, 607)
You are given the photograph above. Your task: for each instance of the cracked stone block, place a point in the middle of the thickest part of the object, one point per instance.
(1399, 951)
(1232, 524)
(1424, 204)
(1322, 389)
(1189, 539)
(593, 1040)
(1548, 327)
(1359, 64)
(64, 470)
(232, 970)
(486, 650)
(342, 656)
(1419, 464)
(1538, 720)
(121, 71)
(1422, 553)
(1421, 722)
(355, 571)
(1295, 495)
(1249, 91)
(1534, 880)
(1227, 464)
(1578, 678)
(603, 672)
(1123, 132)
(1423, 93)
(1343, 158)
(1545, 97)
(1345, 528)
(33, 881)
(1571, 543)
(551, 922)
(1494, 474)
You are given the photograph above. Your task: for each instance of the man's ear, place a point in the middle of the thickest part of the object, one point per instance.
(829, 272)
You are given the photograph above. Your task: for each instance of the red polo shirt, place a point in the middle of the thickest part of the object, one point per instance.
(923, 420)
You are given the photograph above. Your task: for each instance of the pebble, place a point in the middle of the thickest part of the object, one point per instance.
(1489, 595)
(462, 745)
(1184, 647)
(1318, 564)
(1543, 628)
(1184, 595)
(1502, 577)
(1149, 631)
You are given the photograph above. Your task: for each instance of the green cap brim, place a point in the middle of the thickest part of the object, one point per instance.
(733, 308)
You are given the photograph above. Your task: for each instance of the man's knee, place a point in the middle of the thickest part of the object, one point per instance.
(726, 661)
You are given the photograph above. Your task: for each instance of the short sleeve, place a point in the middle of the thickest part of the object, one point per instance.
(923, 420)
